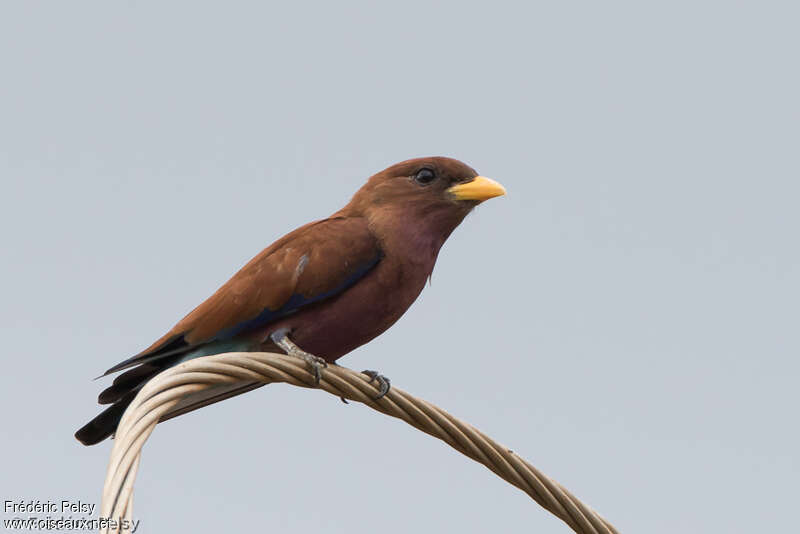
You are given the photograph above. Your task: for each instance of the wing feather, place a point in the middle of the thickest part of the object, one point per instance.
(315, 262)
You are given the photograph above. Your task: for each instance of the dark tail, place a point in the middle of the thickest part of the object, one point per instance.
(119, 394)
(125, 387)
(106, 423)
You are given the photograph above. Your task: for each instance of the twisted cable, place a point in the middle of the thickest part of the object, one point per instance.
(167, 389)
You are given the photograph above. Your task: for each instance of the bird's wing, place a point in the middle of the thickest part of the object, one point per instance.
(315, 262)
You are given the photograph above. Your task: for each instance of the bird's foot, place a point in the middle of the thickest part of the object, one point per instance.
(317, 364)
(383, 382)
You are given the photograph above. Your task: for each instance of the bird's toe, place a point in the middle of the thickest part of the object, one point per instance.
(316, 364)
(384, 384)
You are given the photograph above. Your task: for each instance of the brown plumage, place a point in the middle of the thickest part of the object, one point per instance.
(331, 285)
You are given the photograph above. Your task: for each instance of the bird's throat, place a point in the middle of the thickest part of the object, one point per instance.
(417, 238)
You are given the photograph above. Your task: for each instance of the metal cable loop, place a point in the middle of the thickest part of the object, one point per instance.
(166, 390)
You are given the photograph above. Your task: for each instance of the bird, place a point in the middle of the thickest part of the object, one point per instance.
(320, 291)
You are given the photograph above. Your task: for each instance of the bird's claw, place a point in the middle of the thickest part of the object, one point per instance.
(384, 384)
(316, 363)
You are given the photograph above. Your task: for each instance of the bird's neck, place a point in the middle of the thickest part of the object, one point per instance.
(413, 238)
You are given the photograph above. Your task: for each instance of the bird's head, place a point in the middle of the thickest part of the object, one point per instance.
(421, 199)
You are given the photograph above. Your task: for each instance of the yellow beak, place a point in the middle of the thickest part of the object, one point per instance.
(480, 188)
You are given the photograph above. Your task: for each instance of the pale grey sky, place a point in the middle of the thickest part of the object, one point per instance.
(626, 318)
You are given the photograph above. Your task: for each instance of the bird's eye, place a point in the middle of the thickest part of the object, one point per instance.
(424, 176)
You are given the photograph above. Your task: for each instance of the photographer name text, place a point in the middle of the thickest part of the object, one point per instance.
(48, 507)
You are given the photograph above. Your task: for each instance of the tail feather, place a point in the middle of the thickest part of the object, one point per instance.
(175, 345)
(148, 364)
(212, 395)
(106, 423)
(133, 379)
